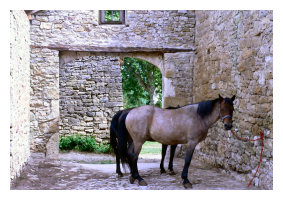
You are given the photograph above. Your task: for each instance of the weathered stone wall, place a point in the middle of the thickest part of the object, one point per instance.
(19, 92)
(90, 94)
(178, 79)
(234, 56)
(54, 31)
(142, 29)
(44, 67)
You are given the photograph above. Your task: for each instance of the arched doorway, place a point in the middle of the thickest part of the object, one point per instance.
(141, 83)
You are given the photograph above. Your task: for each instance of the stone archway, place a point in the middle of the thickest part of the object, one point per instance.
(176, 69)
(91, 91)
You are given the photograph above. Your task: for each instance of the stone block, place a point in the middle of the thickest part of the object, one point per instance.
(78, 128)
(52, 148)
(44, 25)
(103, 126)
(169, 73)
(50, 93)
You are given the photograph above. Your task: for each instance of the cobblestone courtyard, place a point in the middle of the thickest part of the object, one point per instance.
(74, 171)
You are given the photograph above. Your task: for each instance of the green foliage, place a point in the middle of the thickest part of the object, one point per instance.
(140, 81)
(112, 15)
(83, 143)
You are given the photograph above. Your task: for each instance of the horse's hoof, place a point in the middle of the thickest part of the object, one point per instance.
(120, 175)
(142, 183)
(172, 173)
(188, 185)
(132, 180)
(162, 171)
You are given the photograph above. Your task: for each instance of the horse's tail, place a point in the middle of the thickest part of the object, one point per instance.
(114, 132)
(124, 139)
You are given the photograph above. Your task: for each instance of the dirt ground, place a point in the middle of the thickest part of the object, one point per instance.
(86, 171)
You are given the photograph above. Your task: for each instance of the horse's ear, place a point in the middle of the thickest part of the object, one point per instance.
(220, 98)
(233, 97)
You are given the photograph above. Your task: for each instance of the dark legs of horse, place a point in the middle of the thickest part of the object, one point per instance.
(118, 169)
(189, 155)
(133, 162)
(172, 153)
(164, 149)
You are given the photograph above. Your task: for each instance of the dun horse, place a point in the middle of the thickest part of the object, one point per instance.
(114, 144)
(186, 125)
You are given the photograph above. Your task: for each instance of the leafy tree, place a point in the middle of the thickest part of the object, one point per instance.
(112, 15)
(141, 82)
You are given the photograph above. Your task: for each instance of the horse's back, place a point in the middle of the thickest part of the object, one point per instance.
(138, 121)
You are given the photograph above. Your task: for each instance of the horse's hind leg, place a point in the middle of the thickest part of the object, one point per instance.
(172, 153)
(133, 155)
(118, 169)
(164, 148)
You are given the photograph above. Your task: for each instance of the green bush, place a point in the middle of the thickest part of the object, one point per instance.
(83, 143)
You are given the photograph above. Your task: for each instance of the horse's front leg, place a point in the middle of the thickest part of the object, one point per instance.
(172, 153)
(164, 148)
(189, 155)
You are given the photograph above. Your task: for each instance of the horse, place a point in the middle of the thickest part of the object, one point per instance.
(114, 143)
(186, 125)
(172, 153)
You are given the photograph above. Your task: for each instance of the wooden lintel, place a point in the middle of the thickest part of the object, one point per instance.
(114, 49)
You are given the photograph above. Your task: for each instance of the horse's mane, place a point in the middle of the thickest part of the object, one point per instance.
(206, 107)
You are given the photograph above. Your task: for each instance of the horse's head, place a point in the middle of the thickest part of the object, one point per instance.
(226, 111)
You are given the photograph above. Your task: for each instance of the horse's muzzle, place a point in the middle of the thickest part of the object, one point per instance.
(228, 126)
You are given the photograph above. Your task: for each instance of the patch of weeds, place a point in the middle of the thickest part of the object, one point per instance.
(97, 162)
(107, 162)
(83, 143)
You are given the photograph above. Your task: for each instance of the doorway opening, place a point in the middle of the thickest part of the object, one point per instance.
(142, 85)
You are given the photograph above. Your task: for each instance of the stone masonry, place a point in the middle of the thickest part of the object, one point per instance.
(44, 96)
(143, 28)
(57, 33)
(90, 94)
(234, 56)
(19, 92)
(178, 66)
(75, 86)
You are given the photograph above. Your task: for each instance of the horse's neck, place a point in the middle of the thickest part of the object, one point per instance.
(209, 120)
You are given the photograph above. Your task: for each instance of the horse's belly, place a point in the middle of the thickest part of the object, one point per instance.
(168, 137)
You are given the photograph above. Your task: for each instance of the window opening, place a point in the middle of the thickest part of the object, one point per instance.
(112, 16)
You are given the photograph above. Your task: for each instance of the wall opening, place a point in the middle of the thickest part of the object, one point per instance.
(142, 85)
(90, 86)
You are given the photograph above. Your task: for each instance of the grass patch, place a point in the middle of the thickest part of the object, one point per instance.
(151, 148)
(97, 162)
(83, 143)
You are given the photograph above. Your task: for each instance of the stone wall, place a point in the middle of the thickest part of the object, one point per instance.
(90, 94)
(143, 28)
(235, 56)
(19, 92)
(54, 32)
(44, 66)
(178, 79)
